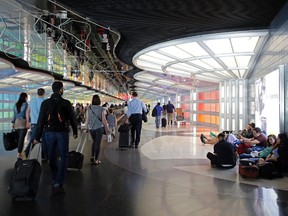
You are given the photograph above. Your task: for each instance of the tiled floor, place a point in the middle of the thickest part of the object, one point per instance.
(168, 175)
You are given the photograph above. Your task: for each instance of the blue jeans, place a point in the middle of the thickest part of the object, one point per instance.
(157, 121)
(255, 148)
(96, 137)
(57, 145)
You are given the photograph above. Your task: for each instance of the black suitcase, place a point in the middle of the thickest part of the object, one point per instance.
(76, 158)
(25, 178)
(163, 122)
(124, 136)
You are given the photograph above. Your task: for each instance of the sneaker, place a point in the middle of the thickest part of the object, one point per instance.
(97, 162)
(212, 134)
(203, 140)
(92, 161)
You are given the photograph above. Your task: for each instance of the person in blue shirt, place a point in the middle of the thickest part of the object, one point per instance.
(170, 111)
(158, 115)
(33, 111)
(134, 116)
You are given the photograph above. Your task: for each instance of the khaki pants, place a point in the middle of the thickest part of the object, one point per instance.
(170, 118)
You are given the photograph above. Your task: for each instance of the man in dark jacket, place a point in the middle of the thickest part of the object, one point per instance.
(56, 113)
(225, 155)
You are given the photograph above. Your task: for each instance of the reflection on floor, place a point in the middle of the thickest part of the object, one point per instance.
(168, 175)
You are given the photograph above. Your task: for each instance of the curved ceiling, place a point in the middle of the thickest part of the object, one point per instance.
(143, 23)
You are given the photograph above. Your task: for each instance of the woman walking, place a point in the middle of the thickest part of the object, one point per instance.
(96, 123)
(20, 122)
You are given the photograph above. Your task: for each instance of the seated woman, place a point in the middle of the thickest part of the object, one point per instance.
(229, 137)
(265, 152)
(276, 163)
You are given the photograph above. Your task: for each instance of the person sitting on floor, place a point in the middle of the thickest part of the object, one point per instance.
(230, 137)
(225, 155)
(264, 153)
(258, 143)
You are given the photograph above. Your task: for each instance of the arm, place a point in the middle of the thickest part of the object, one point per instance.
(104, 121)
(28, 117)
(86, 119)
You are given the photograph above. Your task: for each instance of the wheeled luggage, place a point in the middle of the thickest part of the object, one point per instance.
(75, 157)
(163, 122)
(124, 136)
(25, 179)
(248, 171)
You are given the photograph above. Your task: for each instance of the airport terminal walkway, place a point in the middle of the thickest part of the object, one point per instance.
(168, 175)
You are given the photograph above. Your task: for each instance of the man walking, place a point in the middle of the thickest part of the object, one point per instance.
(158, 114)
(134, 115)
(33, 113)
(55, 115)
(170, 111)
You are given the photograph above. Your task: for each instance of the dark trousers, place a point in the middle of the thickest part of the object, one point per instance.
(96, 137)
(136, 126)
(214, 162)
(57, 144)
(21, 138)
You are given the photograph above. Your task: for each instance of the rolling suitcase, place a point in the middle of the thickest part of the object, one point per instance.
(163, 122)
(75, 157)
(25, 179)
(248, 171)
(124, 136)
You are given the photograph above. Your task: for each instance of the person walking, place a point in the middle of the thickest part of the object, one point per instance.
(170, 111)
(158, 114)
(56, 115)
(19, 122)
(134, 116)
(33, 113)
(96, 123)
(112, 122)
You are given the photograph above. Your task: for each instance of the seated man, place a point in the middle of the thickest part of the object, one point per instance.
(225, 155)
(257, 143)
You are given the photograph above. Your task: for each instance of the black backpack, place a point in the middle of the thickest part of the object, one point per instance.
(56, 119)
(154, 112)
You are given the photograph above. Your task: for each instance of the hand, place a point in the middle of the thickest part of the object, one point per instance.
(35, 141)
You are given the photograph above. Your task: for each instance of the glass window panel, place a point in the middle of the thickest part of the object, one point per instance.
(240, 91)
(159, 56)
(194, 117)
(233, 124)
(233, 91)
(194, 96)
(233, 108)
(229, 61)
(201, 64)
(222, 123)
(243, 61)
(219, 46)
(244, 44)
(193, 48)
(240, 108)
(176, 52)
(227, 108)
(227, 124)
(222, 108)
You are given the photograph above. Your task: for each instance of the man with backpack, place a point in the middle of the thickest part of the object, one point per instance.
(56, 114)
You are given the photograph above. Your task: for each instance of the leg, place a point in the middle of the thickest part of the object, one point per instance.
(52, 154)
(21, 138)
(138, 130)
(213, 159)
(98, 138)
(33, 135)
(62, 144)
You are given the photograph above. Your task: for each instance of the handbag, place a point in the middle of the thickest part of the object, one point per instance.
(10, 140)
(144, 116)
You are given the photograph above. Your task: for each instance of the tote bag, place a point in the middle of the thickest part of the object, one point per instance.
(10, 140)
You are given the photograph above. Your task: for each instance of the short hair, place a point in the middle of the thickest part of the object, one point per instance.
(257, 129)
(158, 103)
(252, 124)
(41, 91)
(134, 94)
(96, 100)
(57, 86)
(110, 110)
(221, 136)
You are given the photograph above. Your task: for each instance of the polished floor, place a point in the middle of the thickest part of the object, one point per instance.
(168, 175)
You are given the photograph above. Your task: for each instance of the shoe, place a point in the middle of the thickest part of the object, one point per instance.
(57, 190)
(204, 136)
(202, 139)
(97, 162)
(212, 134)
(92, 161)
